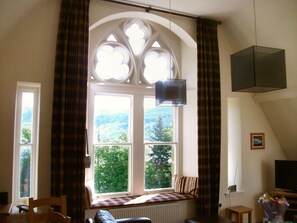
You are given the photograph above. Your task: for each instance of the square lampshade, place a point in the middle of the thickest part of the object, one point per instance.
(258, 69)
(172, 92)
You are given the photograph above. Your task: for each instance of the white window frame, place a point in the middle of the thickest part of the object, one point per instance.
(23, 87)
(174, 143)
(137, 157)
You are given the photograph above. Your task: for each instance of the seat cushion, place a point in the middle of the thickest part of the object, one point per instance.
(103, 216)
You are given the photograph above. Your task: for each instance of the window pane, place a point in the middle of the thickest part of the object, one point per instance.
(25, 167)
(111, 126)
(26, 117)
(136, 35)
(158, 122)
(157, 66)
(159, 158)
(159, 166)
(111, 169)
(111, 119)
(112, 62)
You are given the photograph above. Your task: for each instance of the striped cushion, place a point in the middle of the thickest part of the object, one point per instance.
(186, 185)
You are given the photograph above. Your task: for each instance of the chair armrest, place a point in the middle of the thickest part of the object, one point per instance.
(23, 208)
(133, 220)
(89, 220)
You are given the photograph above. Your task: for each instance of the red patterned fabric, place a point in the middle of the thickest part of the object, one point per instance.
(140, 200)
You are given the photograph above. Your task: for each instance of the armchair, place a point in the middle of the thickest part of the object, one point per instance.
(103, 216)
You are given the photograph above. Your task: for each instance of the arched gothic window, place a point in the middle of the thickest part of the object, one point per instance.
(133, 144)
(134, 49)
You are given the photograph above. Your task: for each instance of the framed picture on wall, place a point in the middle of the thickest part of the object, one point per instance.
(257, 141)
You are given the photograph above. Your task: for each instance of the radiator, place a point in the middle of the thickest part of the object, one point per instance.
(166, 213)
(175, 212)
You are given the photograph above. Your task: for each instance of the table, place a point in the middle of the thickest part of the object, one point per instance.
(239, 211)
(4, 212)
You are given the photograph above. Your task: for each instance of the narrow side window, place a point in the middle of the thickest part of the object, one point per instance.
(26, 128)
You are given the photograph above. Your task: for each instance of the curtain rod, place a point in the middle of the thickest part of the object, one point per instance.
(148, 8)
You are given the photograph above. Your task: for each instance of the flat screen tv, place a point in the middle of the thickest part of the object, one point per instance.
(286, 175)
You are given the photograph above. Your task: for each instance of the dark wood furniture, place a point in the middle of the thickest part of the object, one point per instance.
(4, 212)
(43, 205)
(57, 217)
(239, 211)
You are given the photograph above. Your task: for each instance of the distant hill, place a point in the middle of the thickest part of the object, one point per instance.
(112, 126)
(27, 116)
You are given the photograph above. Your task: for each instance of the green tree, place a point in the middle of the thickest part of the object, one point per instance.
(158, 168)
(111, 168)
(26, 135)
(25, 164)
(25, 172)
(111, 162)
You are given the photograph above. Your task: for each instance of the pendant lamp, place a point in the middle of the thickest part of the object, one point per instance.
(171, 92)
(258, 69)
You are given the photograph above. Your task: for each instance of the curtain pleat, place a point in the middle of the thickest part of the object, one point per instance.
(69, 107)
(209, 117)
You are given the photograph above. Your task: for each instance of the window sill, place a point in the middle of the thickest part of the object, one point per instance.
(234, 194)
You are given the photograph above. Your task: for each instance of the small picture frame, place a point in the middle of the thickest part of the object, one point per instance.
(257, 141)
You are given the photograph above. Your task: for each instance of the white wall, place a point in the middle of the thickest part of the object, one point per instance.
(275, 28)
(190, 130)
(27, 53)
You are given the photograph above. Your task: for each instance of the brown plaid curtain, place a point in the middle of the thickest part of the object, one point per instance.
(209, 117)
(69, 107)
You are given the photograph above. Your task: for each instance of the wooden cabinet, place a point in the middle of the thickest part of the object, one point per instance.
(291, 197)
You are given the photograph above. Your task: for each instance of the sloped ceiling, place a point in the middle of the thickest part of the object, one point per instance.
(280, 109)
(282, 115)
(218, 9)
(12, 11)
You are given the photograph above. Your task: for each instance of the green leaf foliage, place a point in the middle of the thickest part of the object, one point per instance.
(158, 167)
(111, 169)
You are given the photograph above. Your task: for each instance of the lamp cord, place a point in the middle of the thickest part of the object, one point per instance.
(170, 57)
(255, 21)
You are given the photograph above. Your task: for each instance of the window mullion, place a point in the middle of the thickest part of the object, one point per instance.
(138, 147)
(35, 142)
(17, 148)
